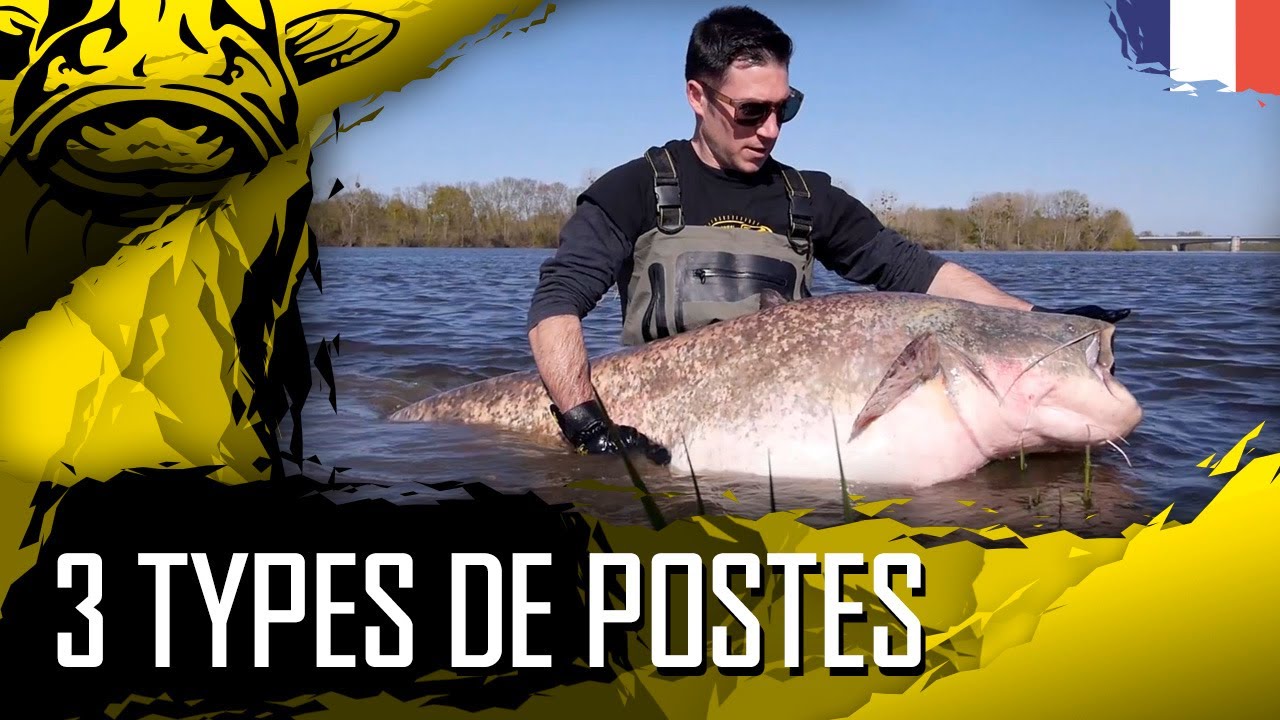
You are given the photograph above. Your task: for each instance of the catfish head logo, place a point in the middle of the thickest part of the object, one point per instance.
(740, 223)
(128, 105)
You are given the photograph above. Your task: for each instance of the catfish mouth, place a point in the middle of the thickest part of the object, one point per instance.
(1085, 416)
(127, 146)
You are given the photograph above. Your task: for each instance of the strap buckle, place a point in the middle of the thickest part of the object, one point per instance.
(666, 191)
(800, 211)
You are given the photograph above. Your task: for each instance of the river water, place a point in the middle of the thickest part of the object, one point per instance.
(1199, 352)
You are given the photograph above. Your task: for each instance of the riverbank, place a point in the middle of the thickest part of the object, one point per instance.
(524, 213)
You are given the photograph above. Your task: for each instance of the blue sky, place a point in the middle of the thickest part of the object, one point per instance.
(934, 100)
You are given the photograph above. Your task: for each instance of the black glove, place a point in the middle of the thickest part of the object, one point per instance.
(1089, 311)
(588, 430)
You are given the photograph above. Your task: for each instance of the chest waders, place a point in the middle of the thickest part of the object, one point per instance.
(686, 277)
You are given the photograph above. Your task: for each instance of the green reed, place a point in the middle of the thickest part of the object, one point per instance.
(773, 506)
(696, 492)
(844, 486)
(1088, 479)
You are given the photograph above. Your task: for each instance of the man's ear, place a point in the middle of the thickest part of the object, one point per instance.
(694, 93)
(330, 40)
(17, 32)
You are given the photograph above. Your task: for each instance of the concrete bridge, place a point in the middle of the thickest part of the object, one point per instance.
(1180, 242)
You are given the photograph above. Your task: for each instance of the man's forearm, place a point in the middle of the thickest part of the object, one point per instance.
(561, 356)
(956, 281)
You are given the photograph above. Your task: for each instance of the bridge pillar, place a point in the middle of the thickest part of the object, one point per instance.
(1235, 243)
(1175, 247)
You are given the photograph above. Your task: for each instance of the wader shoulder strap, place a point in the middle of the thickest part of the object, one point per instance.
(666, 189)
(801, 209)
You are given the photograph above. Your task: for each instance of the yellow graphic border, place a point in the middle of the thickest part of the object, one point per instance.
(182, 349)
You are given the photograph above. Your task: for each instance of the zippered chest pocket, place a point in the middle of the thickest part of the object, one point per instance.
(713, 286)
(728, 277)
(715, 273)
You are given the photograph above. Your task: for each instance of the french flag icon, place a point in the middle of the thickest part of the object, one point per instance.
(1234, 42)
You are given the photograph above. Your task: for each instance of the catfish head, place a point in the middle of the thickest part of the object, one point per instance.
(126, 104)
(1055, 375)
(1013, 379)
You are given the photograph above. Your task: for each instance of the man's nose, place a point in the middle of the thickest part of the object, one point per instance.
(770, 128)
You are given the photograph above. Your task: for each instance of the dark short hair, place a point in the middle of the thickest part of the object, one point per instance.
(732, 34)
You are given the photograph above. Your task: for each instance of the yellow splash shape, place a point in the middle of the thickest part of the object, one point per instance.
(871, 509)
(1231, 460)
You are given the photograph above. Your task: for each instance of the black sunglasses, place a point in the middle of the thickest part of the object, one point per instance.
(751, 113)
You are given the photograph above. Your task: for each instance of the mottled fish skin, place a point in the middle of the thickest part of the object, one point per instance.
(516, 401)
(788, 370)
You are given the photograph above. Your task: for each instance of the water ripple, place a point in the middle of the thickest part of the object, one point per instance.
(1199, 352)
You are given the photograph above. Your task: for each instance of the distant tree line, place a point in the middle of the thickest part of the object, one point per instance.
(520, 212)
(510, 212)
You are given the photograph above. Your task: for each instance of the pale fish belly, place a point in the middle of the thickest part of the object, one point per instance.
(922, 441)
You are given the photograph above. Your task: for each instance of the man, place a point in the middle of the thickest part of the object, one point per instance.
(696, 230)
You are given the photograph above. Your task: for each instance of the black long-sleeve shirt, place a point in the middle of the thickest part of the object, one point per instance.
(596, 244)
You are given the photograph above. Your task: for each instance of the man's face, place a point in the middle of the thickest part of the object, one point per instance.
(740, 147)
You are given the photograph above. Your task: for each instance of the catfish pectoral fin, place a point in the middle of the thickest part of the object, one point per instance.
(919, 361)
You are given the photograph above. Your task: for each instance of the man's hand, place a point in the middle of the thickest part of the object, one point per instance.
(590, 432)
(1089, 311)
(561, 356)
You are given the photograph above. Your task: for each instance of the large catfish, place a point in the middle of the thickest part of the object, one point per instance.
(888, 388)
